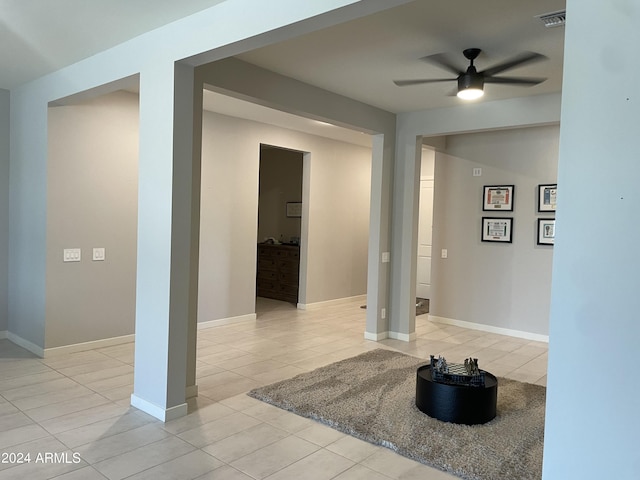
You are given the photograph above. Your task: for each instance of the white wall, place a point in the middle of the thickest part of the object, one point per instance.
(4, 209)
(339, 175)
(92, 202)
(338, 221)
(499, 285)
(592, 420)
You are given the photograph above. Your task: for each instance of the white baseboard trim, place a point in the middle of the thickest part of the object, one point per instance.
(491, 329)
(3, 334)
(26, 344)
(162, 414)
(376, 337)
(191, 391)
(328, 303)
(405, 337)
(81, 347)
(251, 317)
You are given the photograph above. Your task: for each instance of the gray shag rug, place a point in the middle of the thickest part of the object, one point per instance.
(372, 397)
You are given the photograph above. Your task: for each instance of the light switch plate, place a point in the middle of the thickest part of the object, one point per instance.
(385, 257)
(98, 254)
(71, 255)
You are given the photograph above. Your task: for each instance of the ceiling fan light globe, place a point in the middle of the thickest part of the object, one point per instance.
(470, 93)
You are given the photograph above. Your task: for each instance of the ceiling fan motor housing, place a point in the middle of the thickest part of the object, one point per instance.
(470, 79)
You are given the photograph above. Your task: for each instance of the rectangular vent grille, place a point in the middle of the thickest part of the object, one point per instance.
(553, 19)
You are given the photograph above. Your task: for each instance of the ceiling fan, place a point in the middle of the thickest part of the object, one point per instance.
(471, 82)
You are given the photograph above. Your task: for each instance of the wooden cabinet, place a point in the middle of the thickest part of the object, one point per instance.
(278, 272)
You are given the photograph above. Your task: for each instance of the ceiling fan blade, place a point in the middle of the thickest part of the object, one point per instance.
(405, 83)
(522, 59)
(524, 81)
(441, 60)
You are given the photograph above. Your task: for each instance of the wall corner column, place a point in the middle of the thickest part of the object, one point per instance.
(404, 242)
(168, 225)
(377, 328)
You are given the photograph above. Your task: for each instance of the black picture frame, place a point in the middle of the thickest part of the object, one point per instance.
(547, 194)
(546, 231)
(497, 229)
(498, 198)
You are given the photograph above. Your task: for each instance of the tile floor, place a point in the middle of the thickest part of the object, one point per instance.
(75, 407)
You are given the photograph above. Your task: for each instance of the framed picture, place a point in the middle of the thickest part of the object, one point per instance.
(495, 229)
(294, 209)
(547, 197)
(546, 231)
(498, 198)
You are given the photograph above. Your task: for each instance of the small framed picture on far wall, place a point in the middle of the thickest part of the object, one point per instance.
(498, 198)
(294, 209)
(547, 197)
(546, 231)
(498, 229)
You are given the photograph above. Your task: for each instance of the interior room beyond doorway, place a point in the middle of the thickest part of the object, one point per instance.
(279, 223)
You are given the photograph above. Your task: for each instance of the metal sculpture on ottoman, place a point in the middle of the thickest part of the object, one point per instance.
(456, 393)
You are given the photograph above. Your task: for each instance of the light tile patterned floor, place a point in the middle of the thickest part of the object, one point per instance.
(79, 403)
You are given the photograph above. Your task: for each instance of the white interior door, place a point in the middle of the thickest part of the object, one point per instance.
(425, 223)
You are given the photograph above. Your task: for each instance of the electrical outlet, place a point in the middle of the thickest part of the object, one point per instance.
(383, 313)
(386, 256)
(444, 253)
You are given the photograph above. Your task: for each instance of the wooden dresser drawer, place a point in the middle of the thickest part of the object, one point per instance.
(278, 272)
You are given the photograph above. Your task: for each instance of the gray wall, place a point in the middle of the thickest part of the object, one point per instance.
(92, 202)
(501, 285)
(280, 182)
(4, 208)
(270, 89)
(338, 173)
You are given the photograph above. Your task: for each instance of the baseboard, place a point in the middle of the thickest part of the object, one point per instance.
(3, 334)
(405, 337)
(26, 344)
(162, 414)
(191, 391)
(251, 317)
(81, 347)
(491, 329)
(376, 337)
(328, 303)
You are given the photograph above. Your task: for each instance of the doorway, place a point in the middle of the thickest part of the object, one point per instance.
(279, 223)
(425, 227)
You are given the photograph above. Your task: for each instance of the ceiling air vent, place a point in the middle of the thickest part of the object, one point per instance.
(553, 19)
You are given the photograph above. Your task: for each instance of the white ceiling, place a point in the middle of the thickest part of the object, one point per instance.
(41, 36)
(358, 59)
